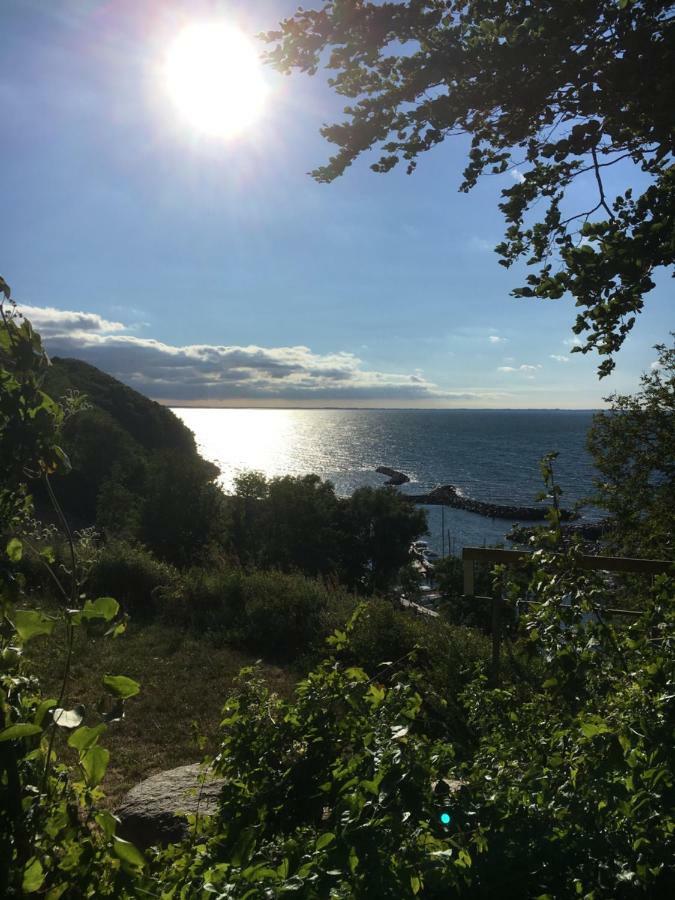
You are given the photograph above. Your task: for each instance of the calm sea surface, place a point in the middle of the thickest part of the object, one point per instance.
(491, 455)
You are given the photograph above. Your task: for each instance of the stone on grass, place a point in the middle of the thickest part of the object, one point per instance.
(153, 812)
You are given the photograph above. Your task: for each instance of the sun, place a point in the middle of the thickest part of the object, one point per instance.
(214, 77)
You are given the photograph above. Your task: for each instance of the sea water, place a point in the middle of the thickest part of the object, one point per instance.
(491, 455)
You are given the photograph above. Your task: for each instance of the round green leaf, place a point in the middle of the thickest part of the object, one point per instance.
(30, 623)
(101, 608)
(85, 737)
(121, 686)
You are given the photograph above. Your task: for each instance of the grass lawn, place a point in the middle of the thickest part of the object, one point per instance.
(184, 680)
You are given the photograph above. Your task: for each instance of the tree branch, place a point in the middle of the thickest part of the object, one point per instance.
(596, 168)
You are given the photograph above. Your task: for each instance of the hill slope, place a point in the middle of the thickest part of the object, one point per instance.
(136, 473)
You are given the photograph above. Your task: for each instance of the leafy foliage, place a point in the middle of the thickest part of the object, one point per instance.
(53, 840)
(633, 447)
(331, 795)
(299, 523)
(554, 93)
(567, 789)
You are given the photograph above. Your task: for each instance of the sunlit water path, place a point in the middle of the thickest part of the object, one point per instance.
(492, 455)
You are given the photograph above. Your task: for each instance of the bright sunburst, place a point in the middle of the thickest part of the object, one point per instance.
(214, 77)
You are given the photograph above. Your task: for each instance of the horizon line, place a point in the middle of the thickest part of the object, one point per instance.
(173, 405)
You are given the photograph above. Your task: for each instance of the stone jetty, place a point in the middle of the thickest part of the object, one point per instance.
(448, 495)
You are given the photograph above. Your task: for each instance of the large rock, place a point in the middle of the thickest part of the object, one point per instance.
(153, 812)
(395, 477)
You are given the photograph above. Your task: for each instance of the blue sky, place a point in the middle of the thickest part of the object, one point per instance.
(204, 271)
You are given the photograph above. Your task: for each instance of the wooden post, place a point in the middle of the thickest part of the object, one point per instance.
(467, 565)
(496, 638)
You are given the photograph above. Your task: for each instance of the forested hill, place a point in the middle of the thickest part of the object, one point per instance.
(135, 465)
(149, 423)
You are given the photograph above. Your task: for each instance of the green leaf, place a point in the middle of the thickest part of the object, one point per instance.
(353, 860)
(95, 762)
(324, 840)
(243, 849)
(415, 884)
(107, 822)
(42, 709)
(33, 877)
(376, 694)
(116, 630)
(128, 853)
(30, 623)
(69, 718)
(121, 686)
(20, 730)
(591, 728)
(85, 737)
(101, 608)
(15, 550)
(283, 869)
(48, 554)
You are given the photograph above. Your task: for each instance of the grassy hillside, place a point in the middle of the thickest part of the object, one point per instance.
(184, 683)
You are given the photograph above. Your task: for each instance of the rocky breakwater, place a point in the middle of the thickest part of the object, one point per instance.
(395, 477)
(448, 495)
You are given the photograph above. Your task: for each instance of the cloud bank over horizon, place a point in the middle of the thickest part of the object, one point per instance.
(204, 374)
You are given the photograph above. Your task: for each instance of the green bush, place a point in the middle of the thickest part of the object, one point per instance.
(443, 659)
(206, 600)
(282, 616)
(134, 577)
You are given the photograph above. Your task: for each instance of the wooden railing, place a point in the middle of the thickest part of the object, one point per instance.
(472, 555)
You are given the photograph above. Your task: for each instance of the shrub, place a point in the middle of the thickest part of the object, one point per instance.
(442, 659)
(133, 576)
(282, 616)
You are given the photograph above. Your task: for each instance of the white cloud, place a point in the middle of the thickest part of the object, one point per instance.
(558, 357)
(517, 175)
(524, 368)
(495, 339)
(52, 322)
(203, 372)
(573, 342)
(656, 365)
